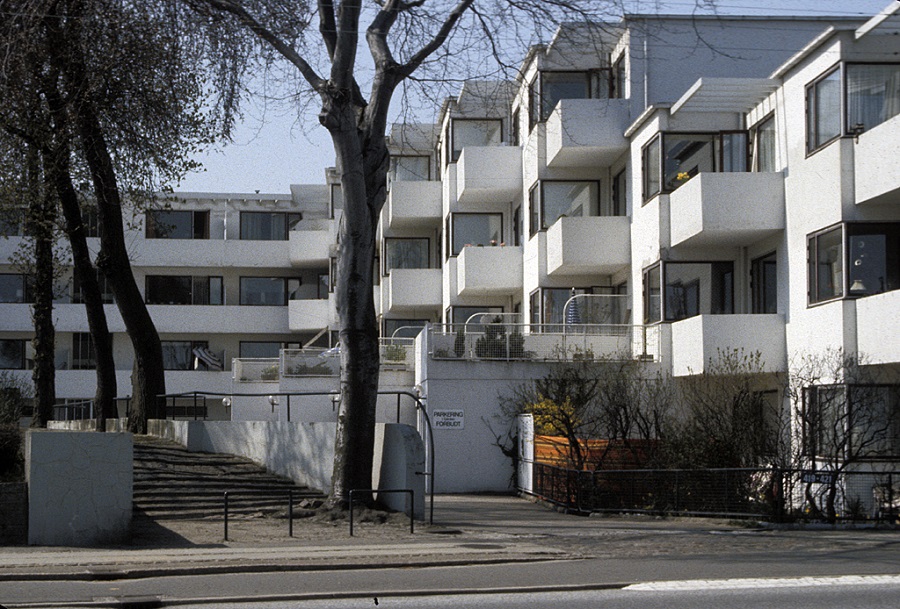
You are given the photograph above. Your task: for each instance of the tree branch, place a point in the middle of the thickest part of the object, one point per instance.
(235, 8)
(344, 60)
(328, 26)
(439, 39)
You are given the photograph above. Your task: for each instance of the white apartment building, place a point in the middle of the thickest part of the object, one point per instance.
(663, 188)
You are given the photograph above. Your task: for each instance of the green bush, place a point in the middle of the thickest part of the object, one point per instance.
(10, 452)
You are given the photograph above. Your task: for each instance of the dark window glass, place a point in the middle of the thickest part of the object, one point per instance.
(411, 253)
(183, 290)
(823, 110)
(619, 194)
(652, 294)
(572, 199)
(168, 224)
(460, 315)
(106, 293)
(268, 226)
(83, 355)
(15, 288)
(698, 288)
(12, 354)
(403, 328)
(517, 226)
(476, 229)
(764, 284)
(12, 222)
(826, 265)
(873, 94)
(410, 168)
(269, 291)
(475, 132)
(650, 169)
(253, 350)
(764, 145)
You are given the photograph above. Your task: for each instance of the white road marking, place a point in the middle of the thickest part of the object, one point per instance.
(787, 582)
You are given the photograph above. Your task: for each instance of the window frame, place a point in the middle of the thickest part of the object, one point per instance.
(754, 141)
(759, 269)
(450, 140)
(193, 280)
(813, 143)
(22, 348)
(199, 224)
(81, 342)
(286, 290)
(290, 219)
(386, 270)
(452, 229)
(27, 288)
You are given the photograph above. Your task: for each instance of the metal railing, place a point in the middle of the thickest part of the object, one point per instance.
(543, 342)
(773, 494)
(229, 498)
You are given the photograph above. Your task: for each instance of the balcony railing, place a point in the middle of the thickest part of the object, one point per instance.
(543, 342)
(394, 353)
(255, 370)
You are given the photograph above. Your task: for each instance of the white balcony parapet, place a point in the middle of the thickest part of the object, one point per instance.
(214, 253)
(875, 315)
(312, 247)
(489, 270)
(255, 370)
(213, 319)
(414, 204)
(588, 245)
(698, 340)
(544, 342)
(488, 174)
(394, 353)
(308, 315)
(734, 209)
(877, 179)
(587, 132)
(409, 289)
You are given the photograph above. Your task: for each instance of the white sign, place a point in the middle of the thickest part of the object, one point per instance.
(448, 419)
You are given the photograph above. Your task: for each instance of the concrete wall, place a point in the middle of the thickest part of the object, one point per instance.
(79, 487)
(304, 452)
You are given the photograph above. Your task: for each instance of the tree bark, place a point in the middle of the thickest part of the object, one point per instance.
(41, 222)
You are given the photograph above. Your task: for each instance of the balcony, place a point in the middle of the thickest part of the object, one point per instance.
(730, 209)
(211, 319)
(587, 132)
(312, 246)
(592, 245)
(488, 174)
(309, 315)
(697, 340)
(875, 163)
(209, 253)
(874, 316)
(410, 289)
(414, 204)
(488, 271)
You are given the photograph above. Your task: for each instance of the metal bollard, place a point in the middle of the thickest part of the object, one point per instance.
(226, 515)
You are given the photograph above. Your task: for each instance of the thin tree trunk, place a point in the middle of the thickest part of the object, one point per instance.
(41, 222)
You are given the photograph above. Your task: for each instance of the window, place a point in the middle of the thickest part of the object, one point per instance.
(403, 328)
(460, 315)
(619, 194)
(823, 110)
(183, 290)
(332, 274)
(336, 199)
(691, 288)
(873, 94)
(90, 220)
(12, 354)
(475, 229)
(553, 305)
(652, 294)
(406, 254)
(12, 222)
(515, 135)
(764, 145)
(650, 169)
(83, 354)
(268, 226)
(554, 199)
(534, 306)
(549, 88)
(323, 286)
(517, 226)
(474, 132)
(410, 168)
(263, 349)
(853, 421)
(826, 265)
(764, 284)
(619, 78)
(168, 224)
(872, 260)
(106, 293)
(179, 354)
(15, 288)
(268, 291)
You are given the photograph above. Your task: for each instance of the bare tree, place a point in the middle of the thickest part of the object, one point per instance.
(845, 414)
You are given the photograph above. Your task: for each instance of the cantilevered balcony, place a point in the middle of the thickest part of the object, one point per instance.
(488, 174)
(588, 245)
(587, 132)
(699, 339)
(412, 289)
(875, 317)
(200, 253)
(212, 319)
(309, 315)
(312, 246)
(734, 209)
(875, 163)
(482, 271)
(414, 204)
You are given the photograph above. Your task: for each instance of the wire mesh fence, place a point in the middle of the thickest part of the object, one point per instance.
(772, 494)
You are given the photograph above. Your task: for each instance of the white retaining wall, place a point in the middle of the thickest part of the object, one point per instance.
(79, 487)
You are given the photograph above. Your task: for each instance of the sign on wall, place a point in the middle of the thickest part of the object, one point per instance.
(448, 419)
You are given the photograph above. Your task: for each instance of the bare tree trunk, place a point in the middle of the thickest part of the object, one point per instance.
(57, 167)
(41, 222)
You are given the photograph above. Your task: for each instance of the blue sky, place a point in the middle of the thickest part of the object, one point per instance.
(273, 149)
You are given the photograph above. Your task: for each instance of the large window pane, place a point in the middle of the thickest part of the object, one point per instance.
(698, 288)
(410, 168)
(553, 304)
(267, 226)
(475, 132)
(734, 151)
(405, 254)
(686, 155)
(873, 94)
(567, 198)
(106, 293)
(823, 110)
(260, 349)
(652, 292)
(12, 354)
(263, 291)
(764, 148)
(403, 328)
(476, 229)
(873, 258)
(168, 224)
(83, 357)
(14, 288)
(169, 290)
(764, 284)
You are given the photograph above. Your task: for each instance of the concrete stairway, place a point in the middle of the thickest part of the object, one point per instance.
(172, 483)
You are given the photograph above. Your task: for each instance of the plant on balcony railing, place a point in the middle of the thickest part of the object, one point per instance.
(305, 369)
(496, 344)
(394, 353)
(269, 373)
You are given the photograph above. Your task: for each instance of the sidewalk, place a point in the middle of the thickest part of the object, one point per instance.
(468, 529)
